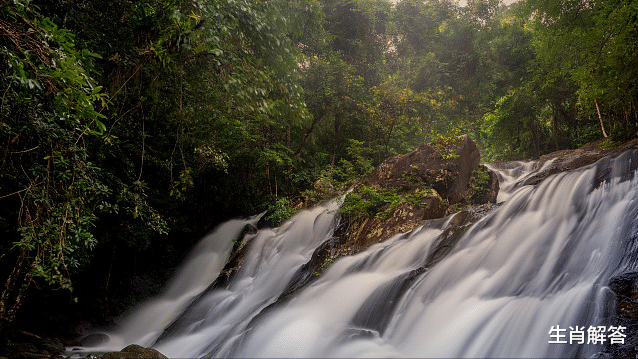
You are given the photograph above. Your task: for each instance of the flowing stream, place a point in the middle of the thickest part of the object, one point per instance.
(542, 259)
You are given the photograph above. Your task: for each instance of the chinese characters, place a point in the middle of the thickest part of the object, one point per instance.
(593, 335)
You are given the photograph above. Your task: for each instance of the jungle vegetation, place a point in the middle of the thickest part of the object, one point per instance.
(130, 127)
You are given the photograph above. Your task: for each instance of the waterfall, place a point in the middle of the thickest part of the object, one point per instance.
(200, 269)
(542, 259)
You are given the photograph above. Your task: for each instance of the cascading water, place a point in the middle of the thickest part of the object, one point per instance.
(540, 260)
(200, 269)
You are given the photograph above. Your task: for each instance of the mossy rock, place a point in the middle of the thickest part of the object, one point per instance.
(135, 351)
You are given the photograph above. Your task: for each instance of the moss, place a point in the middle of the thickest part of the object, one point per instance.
(367, 201)
(411, 179)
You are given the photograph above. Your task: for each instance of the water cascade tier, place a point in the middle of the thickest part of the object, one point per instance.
(539, 262)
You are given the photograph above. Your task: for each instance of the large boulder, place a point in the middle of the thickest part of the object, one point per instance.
(446, 166)
(430, 182)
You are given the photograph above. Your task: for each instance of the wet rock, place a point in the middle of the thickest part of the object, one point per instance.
(403, 217)
(135, 351)
(625, 287)
(566, 160)
(455, 229)
(321, 257)
(376, 313)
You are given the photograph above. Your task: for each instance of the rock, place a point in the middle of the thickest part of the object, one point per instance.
(135, 351)
(363, 232)
(446, 167)
(433, 181)
(454, 230)
(485, 187)
(625, 286)
(71, 342)
(566, 160)
(464, 165)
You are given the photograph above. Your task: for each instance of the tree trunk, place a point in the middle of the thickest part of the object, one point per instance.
(600, 118)
(555, 127)
(306, 137)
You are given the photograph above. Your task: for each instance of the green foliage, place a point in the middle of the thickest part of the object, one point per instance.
(280, 211)
(608, 143)
(367, 201)
(512, 128)
(355, 167)
(95, 144)
(138, 124)
(457, 207)
(446, 146)
(480, 182)
(586, 51)
(49, 106)
(416, 199)
(51, 191)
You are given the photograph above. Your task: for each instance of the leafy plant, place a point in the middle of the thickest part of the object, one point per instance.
(50, 115)
(480, 181)
(608, 143)
(367, 201)
(446, 146)
(281, 210)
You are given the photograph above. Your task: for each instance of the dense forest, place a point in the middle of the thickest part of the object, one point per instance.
(128, 128)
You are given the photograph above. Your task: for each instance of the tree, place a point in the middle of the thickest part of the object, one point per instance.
(593, 45)
(51, 191)
(116, 151)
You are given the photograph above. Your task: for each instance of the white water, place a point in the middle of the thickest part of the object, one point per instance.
(543, 258)
(201, 268)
